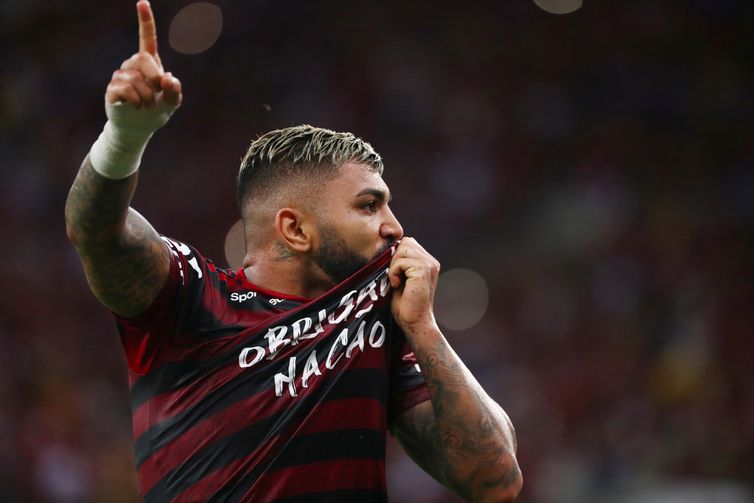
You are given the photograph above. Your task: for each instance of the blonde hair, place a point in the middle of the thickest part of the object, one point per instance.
(297, 154)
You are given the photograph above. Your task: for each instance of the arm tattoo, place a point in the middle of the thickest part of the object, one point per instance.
(463, 438)
(125, 260)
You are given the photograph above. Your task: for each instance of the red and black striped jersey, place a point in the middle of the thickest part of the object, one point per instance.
(242, 394)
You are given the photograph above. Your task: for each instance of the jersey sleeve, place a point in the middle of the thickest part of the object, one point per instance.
(407, 384)
(147, 338)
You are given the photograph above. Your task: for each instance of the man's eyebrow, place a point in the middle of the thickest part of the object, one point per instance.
(377, 193)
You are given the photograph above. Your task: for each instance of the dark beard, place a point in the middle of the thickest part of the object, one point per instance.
(336, 258)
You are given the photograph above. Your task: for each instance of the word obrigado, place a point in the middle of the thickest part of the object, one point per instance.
(356, 303)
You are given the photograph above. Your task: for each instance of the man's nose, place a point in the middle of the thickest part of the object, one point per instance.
(391, 229)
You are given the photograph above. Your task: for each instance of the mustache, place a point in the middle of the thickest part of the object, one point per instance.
(388, 244)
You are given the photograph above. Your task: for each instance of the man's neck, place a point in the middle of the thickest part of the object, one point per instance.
(296, 276)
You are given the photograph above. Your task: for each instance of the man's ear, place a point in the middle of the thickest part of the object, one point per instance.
(295, 229)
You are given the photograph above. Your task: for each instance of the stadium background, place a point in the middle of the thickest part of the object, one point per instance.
(591, 174)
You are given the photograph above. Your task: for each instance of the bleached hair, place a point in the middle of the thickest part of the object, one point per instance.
(299, 154)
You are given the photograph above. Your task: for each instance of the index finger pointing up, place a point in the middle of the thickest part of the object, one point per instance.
(147, 28)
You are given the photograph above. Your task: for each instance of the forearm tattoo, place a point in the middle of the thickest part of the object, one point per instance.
(469, 443)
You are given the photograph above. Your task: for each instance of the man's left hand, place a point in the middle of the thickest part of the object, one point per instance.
(413, 275)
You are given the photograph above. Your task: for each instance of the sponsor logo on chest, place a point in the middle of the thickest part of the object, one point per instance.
(242, 297)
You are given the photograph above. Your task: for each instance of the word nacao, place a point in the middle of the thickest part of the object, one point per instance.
(360, 302)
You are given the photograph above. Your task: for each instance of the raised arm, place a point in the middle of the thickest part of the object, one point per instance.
(125, 261)
(461, 436)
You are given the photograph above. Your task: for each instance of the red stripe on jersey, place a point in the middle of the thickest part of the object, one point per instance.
(329, 416)
(335, 475)
(347, 414)
(216, 481)
(166, 405)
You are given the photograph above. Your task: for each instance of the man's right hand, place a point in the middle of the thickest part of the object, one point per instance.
(141, 96)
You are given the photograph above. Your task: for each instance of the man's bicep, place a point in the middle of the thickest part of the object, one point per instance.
(127, 274)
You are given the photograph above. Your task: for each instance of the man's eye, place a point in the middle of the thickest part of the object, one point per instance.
(371, 206)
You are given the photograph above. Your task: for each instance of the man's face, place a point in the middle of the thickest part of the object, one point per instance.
(355, 223)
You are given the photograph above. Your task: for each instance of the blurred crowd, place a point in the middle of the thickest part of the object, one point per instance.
(595, 168)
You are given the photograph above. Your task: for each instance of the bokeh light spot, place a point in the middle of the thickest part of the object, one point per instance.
(195, 28)
(461, 299)
(235, 246)
(559, 6)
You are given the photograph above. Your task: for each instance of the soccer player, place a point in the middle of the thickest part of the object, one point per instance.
(279, 381)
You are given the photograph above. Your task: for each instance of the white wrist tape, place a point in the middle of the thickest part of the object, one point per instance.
(117, 152)
(113, 157)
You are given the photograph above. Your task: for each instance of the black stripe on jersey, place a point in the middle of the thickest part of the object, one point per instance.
(323, 446)
(173, 376)
(337, 497)
(351, 383)
(341, 444)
